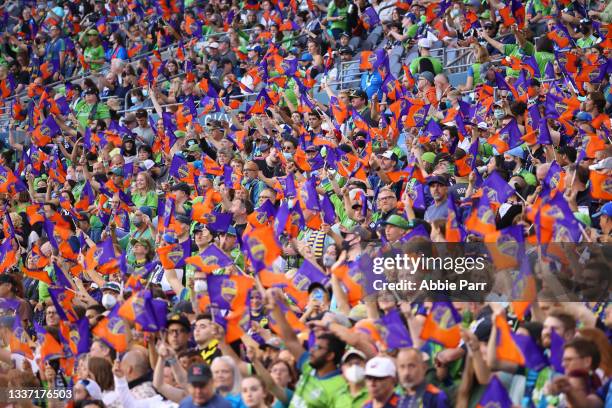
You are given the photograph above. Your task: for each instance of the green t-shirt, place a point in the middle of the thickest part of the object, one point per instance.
(312, 391)
(586, 42)
(513, 50)
(83, 109)
(334, 11)
(94, 54)
(414, 65)
(146, 200)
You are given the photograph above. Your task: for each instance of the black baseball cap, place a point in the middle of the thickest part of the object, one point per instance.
(199, 374)
(181, 187)
(358, 93)
(179, 319)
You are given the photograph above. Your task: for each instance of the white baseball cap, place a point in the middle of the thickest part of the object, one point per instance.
(424, 43)
(380, 367)
(605, 164)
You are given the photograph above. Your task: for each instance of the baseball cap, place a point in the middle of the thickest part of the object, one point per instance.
(345, 50)
(114, 286)
(390, 154)
(185, 219)
(231, 230)
(584, 116)
(398, 221)
(199, 373)
(437, 179)
(352, 352)
(424, 43)
(358, 93)
(427, 75)
(144, 242)
(380, 367)
(179, 319)
(605, 210)
(483, 330)
(605, 164)
(90, 91)
(184, 306)
(184, 187)
(306, 57)
(482, 125)
(214, 45)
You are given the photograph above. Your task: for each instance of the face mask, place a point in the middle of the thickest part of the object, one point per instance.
(137, 222)
(108, 300)
(134, 100)
(360, 143)
(169, 238)
(499, 114)
(454, 13)
(328, 260)
(355, 374)
(200, 285)
(226, 84)
(287, 155)
(80, 177)
(449, 104)
(41, 190)
(145, 92)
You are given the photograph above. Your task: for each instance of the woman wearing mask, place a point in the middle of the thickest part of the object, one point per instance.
(128, 149)
(117, 50)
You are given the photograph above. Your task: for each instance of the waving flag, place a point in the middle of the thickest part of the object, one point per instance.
(139, 309)
(601, 186)
(495, 395)
(210, 259)
(505, 246)
(19, 340)
(182, 170)
(8, 255)
(442, 325)
(63, 301)
(173, 256)
(556, 351)
(507, 138)
(215, 221)
(229, 291)
(113, 331)
(261, 247)
(393, 330)
(454, 227)
(516, 348)
(102, 258)
(496, 188)
(482, 218)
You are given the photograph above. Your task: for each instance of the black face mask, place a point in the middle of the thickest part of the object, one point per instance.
(41, 190)
(360, 143)
(101, 178)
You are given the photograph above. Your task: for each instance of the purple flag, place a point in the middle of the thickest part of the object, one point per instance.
(307, 275)
(310, 195)
(534, 355)
(496, 188)
(329, 214)
(370, 18)
(219, 222)
(214, 256)
(394, 331)
(495, 395)
(418, 231)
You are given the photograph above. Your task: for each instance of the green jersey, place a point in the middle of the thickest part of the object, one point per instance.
(313, 391)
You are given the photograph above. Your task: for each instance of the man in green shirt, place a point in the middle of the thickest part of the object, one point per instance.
(321, 384)
(425, 62)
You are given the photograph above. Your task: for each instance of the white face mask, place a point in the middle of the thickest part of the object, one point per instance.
(108, 300)
(355, 374)
(226, 84)
(134, 100)
(200, 285)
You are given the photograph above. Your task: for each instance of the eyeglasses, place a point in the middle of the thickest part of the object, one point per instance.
(287, 148)
(176, 332)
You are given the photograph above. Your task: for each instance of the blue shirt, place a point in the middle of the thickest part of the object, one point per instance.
(371, 83)
(215, 402)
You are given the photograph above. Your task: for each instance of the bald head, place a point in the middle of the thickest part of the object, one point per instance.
(542, 171)
(411, 368)
(135, 363)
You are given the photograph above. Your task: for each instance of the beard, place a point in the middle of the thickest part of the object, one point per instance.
(318, 363)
